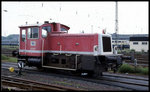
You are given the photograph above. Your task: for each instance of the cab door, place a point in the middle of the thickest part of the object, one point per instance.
(22, 44)
(33, 44)
(45, 39)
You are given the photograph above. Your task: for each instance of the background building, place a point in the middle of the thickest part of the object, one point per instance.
(123, 40)
(139, 43)
(12, 39)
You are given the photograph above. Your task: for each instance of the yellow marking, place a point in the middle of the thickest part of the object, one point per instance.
(11, 69)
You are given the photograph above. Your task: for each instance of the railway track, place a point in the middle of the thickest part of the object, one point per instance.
(116, 80)
(33, 85)
(125, 76)
(125, 82)
(141, 59)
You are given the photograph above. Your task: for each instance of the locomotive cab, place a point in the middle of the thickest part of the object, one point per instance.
(32, 38)
(31, 35)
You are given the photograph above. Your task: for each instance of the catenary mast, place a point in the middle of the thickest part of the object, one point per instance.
(116, 29)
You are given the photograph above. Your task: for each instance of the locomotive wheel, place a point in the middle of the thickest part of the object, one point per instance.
(74, 73)
(97, 74)
(115, 70)
(90, 74)
(39, 68)
(97, 71)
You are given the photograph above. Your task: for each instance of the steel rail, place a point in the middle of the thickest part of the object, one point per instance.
(28, 86)
(34, 85)
(126, 85)
(122, 81)
(125, 76)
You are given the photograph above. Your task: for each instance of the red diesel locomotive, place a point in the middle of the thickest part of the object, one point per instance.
(49, 45)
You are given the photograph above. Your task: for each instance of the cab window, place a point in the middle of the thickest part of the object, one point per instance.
(45, 31)
(33, 32)
(47, 28)
(63, 29)
(23, 36)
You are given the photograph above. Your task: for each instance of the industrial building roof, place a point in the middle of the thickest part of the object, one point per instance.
(138, 38)
(127, 36)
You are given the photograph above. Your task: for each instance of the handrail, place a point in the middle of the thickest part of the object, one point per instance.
(42, 50)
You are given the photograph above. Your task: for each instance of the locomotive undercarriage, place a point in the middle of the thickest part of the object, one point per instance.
(60, 61)
(93, 65)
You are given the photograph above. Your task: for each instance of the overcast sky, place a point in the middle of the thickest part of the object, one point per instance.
(92, 17)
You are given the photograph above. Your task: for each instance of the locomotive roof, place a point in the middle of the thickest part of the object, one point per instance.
(28, 25)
